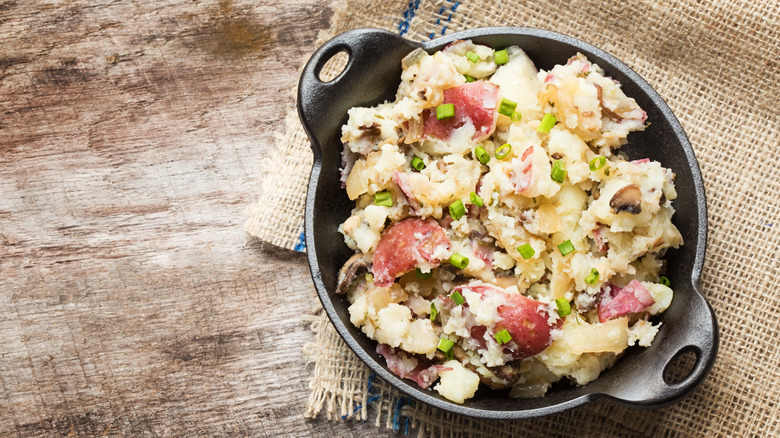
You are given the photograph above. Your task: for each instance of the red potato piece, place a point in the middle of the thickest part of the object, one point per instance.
(404, 245)
(407, 366)
(403, 183)
(475, 101)
(484, 252)
(616, 302)
(523, 318)
(523, 171)
(478, 334)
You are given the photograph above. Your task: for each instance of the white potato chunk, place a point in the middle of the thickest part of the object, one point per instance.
(456, 382)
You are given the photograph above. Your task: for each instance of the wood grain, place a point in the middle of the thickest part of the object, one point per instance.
(130, 141)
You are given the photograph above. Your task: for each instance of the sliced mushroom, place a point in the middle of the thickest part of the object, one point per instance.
(629, 199)
(509, 373)
(350, 271)
(607, 112)
(373, 131)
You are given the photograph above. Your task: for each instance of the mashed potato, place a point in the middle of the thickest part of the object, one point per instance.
(500, 237)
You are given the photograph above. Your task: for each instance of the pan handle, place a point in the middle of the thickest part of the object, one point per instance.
(699, 336)
(702, 340)
(373, 59)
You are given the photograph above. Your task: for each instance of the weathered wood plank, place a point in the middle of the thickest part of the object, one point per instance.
(130, 142)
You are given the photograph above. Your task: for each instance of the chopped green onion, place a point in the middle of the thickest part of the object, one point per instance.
(526, 250)
(501, 57)
(385, 199)
(459, 261)
(481, 155)
(470, 78)
(606, 172)
(503, 151)
(418, 164)
(597, 163)
(503, 337)
(476, 200)
(566, 247)
(457, 210)
(449, 355)
(592, 277)
(458, 298)
(548, 121)
(558, 173)
(665, 281)
(564, 308)
(445, 344)
(473, 57)
(434, 312)
(420, 274)
(516, 116)
(445, 111)
(507, 107)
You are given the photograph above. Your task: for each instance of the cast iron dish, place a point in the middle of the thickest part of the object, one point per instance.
(371, 76)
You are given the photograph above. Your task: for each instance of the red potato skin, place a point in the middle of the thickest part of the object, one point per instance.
(424, 374)
(474, 101)
(399, 251)
(619, 302)
(523, 320)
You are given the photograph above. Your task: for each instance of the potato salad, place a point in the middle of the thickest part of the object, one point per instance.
(500, 237)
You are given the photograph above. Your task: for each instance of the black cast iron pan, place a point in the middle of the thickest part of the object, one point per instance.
(371, 76)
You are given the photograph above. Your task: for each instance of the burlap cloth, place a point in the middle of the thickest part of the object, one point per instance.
(717, 64)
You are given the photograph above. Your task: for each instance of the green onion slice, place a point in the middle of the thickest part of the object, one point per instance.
(548, 121)
(424, 275)
(473, 57)
(665, 281)
(476, 199)
(445, 111)
(418, 164)
(384, 198)
(503, 151)
(459, 261)
(516, 116)
(501, 57)
(507, 107)
(445, 344)
(457, 209)
(558, 173)
(470, 78)
(592, 277)
(597, 163)
(434, 312)
(564, 308)
(458, 298)
(526, 250)
(503, 337)
(481, 155)
(449, 355)
(566, 247)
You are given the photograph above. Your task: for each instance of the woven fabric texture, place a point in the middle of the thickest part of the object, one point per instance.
(717, 64)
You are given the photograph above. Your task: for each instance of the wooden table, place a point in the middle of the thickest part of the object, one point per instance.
(130, 143)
